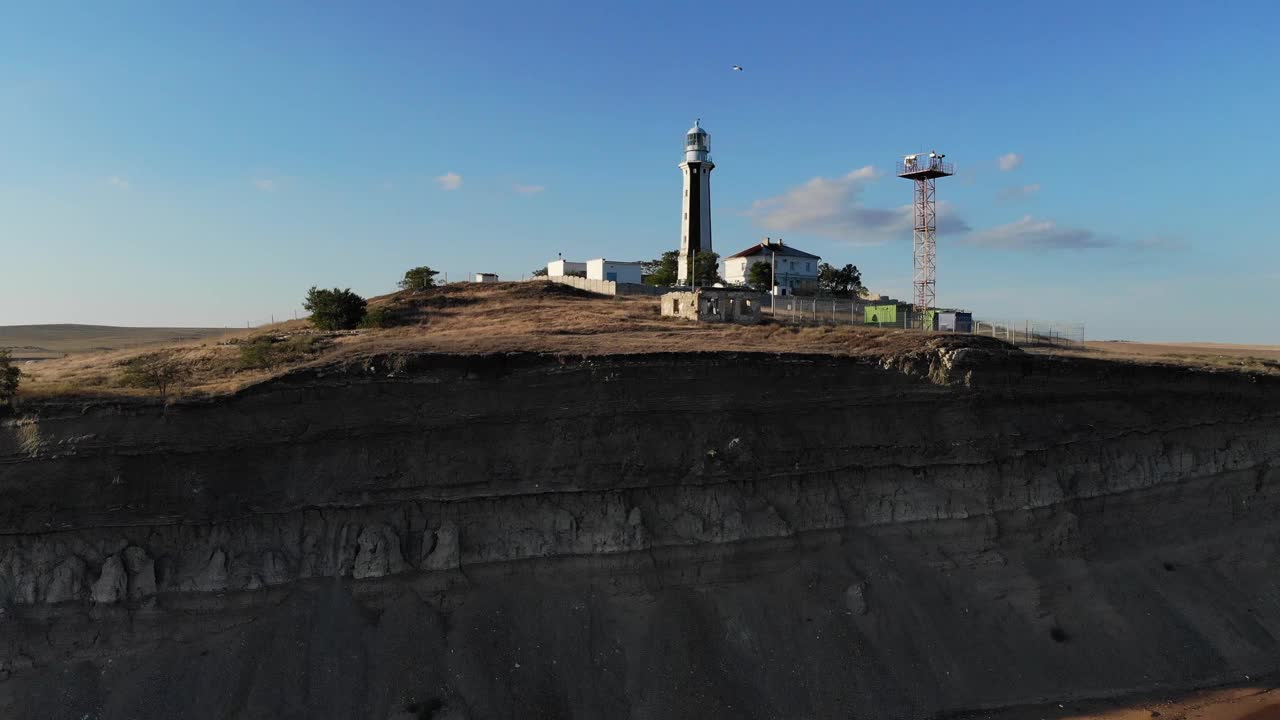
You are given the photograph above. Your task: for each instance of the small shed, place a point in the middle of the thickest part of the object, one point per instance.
(485, 277)
(713, 305)
(887, 315)
(951, 321)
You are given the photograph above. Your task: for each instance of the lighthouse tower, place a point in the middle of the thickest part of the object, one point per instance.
(695, 218)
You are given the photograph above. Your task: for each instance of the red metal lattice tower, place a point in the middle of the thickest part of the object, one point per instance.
(924, 169)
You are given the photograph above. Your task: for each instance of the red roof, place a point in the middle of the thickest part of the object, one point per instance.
(772, 248)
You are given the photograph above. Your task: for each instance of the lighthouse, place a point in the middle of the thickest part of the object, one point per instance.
(695, 222)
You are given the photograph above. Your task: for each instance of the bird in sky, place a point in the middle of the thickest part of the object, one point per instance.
(737, 68)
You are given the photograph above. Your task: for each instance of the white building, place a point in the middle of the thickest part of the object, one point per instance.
(485, 277)
(615, 270)
(560, 268)
(794, 268)
(695, 222)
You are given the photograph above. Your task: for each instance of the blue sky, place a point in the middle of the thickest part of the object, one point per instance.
(205, 163)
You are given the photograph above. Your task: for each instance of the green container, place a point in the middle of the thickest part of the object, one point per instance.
(892, 314)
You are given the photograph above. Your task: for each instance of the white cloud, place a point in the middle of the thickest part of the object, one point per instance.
(449, 181)
(1032, 234)
(1019, 192)
(833, 207)
(529, 189)
(118, 182)
(265, 184)
(1009, 161)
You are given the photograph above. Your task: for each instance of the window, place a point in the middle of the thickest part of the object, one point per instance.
(808, 267)
(686, 216)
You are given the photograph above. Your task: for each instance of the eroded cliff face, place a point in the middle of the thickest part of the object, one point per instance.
(706, 535)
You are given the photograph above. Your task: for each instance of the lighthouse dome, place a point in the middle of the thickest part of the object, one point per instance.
(697, 143)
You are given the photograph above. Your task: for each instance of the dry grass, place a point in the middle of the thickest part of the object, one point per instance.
(35, 342)
(544, 317)
(531, 317)
(1263, 359)
(500, 317)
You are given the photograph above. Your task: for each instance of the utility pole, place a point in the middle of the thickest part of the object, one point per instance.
(773, 278)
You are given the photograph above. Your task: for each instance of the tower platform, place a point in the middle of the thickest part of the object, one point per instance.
(928, 170)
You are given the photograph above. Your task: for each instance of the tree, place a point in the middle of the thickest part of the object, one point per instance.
(540, 272)
(158, 371)
(706, 265)
(662, 271)
(665, 271)
(9, 376)
(419, 278)
(335, 309)
(760, 276)
(843, 281)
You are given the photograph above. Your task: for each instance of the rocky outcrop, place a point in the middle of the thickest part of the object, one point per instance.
(655, 536)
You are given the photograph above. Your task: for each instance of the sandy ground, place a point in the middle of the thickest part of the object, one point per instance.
(1251, 702)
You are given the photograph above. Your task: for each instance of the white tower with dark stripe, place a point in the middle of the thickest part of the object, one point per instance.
(695, 222)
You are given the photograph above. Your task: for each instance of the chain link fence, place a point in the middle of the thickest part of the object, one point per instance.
(832, 311)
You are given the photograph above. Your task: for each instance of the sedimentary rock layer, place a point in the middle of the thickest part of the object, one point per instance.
(712, 535)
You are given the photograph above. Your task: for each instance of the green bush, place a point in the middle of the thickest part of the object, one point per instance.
(267, 352)
(334, 309)
(158, 371)
(380, 317)
(9, 376)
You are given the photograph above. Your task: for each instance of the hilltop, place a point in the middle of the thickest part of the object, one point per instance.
(465, 318)
(538, 317)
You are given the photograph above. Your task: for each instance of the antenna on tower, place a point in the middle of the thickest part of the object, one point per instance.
(924, 171)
